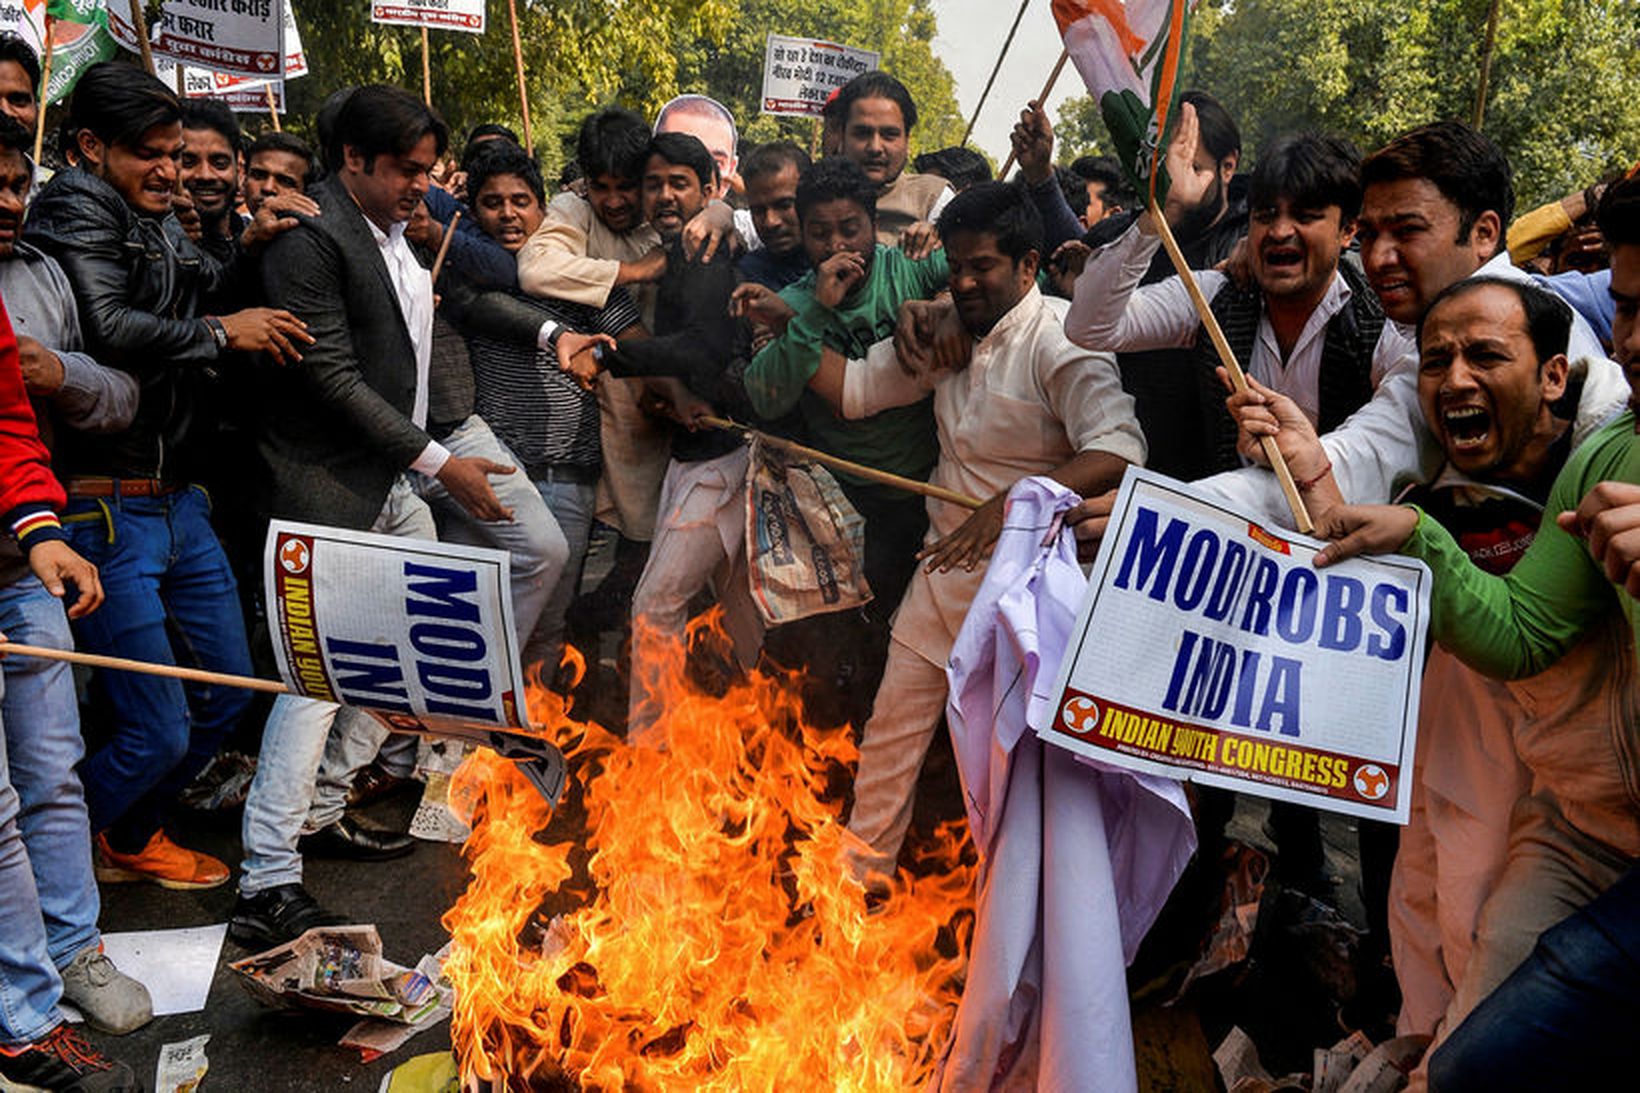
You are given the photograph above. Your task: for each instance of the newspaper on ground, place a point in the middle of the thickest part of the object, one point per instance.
(1211, 648)
(375, 1036)
(800, 74)
(339, 969)
(182, 1066)
(418, 632)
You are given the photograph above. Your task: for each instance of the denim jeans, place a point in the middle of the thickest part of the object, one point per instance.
(48, 900)
(572, 504)
(311, 749)
(1566, 1018)
(171, 599)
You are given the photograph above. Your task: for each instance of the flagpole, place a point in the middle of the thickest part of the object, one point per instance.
(273, 106)
(1238, 378)
(45, 86)
(1041, 100)
(141, 25)
(523, 91)
(426, 70)
(985, 94)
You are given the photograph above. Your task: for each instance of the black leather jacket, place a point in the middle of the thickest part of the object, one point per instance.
(139, 285)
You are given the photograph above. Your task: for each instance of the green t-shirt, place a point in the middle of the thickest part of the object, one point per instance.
(901, 440)
(1519, 624)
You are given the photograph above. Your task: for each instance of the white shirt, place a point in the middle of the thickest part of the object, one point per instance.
(1387, 441)
(1027, 402)
(1113, 312)
(414, 287)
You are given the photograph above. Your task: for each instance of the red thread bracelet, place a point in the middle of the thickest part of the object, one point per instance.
(1308, 484)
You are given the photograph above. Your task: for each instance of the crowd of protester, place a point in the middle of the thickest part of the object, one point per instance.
(203, 331)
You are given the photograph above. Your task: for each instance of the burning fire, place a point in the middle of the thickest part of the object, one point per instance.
(704, 932)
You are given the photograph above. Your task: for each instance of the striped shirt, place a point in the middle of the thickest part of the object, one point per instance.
(536, 409)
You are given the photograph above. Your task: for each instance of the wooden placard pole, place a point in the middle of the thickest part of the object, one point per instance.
(45, 85)
(1238, 378)
(426, 71)
(141, 26)
(910, 485)
(523, 89)
(444, 244)
(171, 671)
(273, 106)
(1042, 97)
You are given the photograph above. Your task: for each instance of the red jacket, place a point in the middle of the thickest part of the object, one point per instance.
(29, 493)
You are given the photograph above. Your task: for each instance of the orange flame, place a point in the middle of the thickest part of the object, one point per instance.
(707, 936)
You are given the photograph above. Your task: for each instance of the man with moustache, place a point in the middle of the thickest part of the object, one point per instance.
(877, 115)
(771, 172)
(276, 164)
(1028, 402)
(141, 289)
(700, 527)
(208, 169)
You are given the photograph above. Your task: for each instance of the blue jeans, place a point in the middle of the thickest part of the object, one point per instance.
(1565, 1019)
(171, 599)
(572, 504)
(48, 899)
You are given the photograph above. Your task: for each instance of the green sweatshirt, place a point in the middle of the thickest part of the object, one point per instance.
(901, 440)
(1519, 624)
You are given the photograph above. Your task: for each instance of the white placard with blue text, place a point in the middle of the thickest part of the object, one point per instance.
(1210, 647)
(409, 627)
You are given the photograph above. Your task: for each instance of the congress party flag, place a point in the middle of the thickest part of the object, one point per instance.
(1128, 54)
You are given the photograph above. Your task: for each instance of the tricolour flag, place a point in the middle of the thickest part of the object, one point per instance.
(1128, 54)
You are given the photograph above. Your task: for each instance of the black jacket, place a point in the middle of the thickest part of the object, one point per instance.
(140, 286)
(336, 428)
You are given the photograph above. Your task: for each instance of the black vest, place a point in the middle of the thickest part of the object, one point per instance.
(1346, 357)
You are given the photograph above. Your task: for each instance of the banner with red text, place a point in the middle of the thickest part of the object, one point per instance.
(465, 15)
(245, 38)
(1211, 648)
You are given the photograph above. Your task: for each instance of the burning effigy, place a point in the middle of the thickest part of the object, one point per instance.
(700, 929)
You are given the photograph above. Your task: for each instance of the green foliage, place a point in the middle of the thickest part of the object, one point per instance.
(581, 54)
(1560, 103)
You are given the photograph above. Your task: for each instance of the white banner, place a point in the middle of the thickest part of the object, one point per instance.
(466, 15)
(799, 74)
(295, 60)
(416, 629)
(241, 94)
(1212, 649)
(244, 37)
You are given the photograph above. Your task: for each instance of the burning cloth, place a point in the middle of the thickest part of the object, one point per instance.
(1076, 858)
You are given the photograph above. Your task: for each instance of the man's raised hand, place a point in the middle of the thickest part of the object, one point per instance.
(919, 240)
(1609, 520)
(1187, 182)
(269, 330)
(1363, 529)
(838, 275)
(761, 305)
(1032, 141)
(275, 216)
(929, 337)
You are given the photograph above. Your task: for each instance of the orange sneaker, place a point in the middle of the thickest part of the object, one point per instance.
(162, 862)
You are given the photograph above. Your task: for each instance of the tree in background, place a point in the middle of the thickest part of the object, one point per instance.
(1561, 103)
(580, 54)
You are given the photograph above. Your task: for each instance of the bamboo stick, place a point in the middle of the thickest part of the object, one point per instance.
(273, 108)
(444, 244)
(523, 90)
(45, 86)
(910, 485)
(141, 26)
(1042, 98)
(426, 70)
(191, 675)
(1238, 378)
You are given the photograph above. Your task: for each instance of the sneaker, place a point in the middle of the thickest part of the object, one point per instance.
(161, 862)
(276, 915)
(111, 1000)
(63, 1060)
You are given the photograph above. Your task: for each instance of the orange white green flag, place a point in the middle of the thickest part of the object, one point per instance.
(1129, 54)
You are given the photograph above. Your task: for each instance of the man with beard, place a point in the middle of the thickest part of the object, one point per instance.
(208, 169)
(276, 164)
(878, 115)
(1029, 402)
(700, 528)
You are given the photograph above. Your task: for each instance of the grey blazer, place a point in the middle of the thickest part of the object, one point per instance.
(336, 428)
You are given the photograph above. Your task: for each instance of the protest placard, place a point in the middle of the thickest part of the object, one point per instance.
(1211, 648)
(245, 37)
(799, 74)
(241, 94)
(467, 15)
(295, 58)
(413, 628)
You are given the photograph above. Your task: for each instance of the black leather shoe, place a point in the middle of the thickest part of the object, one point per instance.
(277, 915)
(351, 839)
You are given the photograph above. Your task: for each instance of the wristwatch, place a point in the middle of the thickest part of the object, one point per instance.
(219, 333)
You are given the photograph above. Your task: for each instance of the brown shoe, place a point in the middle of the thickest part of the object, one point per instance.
(376, 783)
(161, 862)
